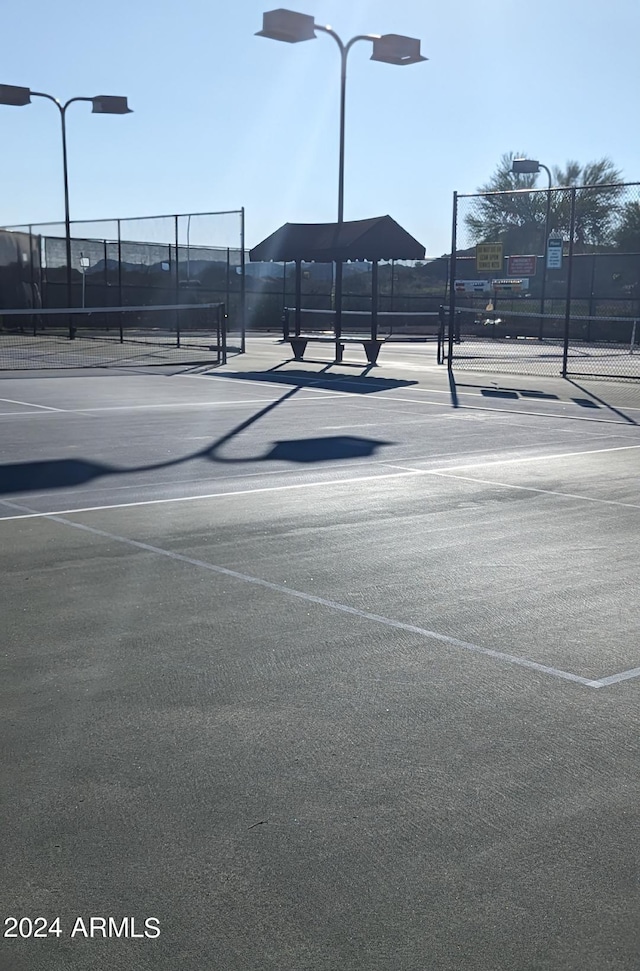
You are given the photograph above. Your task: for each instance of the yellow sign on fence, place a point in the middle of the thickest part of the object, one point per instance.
(488, 257)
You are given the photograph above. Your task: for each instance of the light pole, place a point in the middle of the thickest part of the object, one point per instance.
(85, 262)
(292, 27)
(530, 166)
(103, 104)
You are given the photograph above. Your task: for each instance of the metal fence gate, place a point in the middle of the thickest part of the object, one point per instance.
(546, 281)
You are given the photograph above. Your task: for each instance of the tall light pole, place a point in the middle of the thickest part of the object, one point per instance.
(292, 27)
(103, 104)
(530, 166)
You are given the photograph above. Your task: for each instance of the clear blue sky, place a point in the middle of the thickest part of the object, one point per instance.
(224, 119)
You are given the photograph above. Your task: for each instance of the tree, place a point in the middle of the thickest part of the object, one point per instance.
(597, 208)
(627, 232)
(518, 219)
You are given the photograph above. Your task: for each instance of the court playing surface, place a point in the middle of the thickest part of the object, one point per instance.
(324, 667)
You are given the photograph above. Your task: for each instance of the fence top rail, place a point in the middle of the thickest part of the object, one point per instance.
(534, 315)
(330, 314)
(553, 188)
(87, 311)
(124, 219)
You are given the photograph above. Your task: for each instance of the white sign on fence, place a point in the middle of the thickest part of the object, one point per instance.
(554, 253)
(472, 286)
(511, 284)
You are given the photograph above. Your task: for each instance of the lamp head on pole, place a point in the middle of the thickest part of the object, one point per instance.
(397, 49)
(11, 94)
(525, 166)
(287, 25)
(107, 104)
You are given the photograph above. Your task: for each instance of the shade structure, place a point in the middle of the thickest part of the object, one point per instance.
(380, 238)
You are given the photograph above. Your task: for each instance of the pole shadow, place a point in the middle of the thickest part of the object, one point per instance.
(65, 473)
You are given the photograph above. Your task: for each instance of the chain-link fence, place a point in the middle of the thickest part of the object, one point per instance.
(195, 259)
(547, 281)
(403, 287)
(42, 338)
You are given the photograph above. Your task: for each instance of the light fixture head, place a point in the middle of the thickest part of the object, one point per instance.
(11, 94)
(525, 166)
(397, 49)
(287, 25)
(107, 104)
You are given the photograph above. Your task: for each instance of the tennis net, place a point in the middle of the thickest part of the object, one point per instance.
(531, 343)
(113, 336)
(390, 323)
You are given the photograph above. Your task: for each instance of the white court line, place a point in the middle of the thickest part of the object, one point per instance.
(617, 678)
(212, 495)
(172, 406)
(192, 404)
(327, 467)
(29, 404)
(539, 458)
(391, 397)
(383, 383)
(545, 492)
(404, 472)
(279, 384)
(335, 605)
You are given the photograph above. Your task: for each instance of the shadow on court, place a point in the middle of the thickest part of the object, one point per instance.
(591, 400)
(63, 473)
(322, 380)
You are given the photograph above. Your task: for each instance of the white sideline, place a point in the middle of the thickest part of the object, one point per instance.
(335, 605)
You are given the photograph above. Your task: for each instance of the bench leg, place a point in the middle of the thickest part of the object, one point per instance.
(298, 346)
(372, 349)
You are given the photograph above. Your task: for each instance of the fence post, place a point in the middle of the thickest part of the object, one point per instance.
(374, 300)
(298, 296)
(567, 309)
(243, 292)
(452, 278)
(222, 331)
(393, 274)
(440, 350)
(120, 304)
(177, 295)
(227, 281)
(32, 281)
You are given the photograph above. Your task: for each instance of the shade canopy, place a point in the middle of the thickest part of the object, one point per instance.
(381, 238)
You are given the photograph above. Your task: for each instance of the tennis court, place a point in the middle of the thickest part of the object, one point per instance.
(322, 667)
(113, 336)
(511, 342)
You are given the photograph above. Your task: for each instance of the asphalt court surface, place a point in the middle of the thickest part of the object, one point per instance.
(323, 667)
